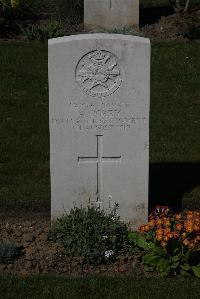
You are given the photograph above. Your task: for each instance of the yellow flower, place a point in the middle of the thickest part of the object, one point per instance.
(183, 235)
(14, 3)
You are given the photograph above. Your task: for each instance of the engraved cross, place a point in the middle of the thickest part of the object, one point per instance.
(99, 160)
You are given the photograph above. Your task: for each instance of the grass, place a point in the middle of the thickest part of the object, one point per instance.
(24, 152)
(175, 102)
(99, 287)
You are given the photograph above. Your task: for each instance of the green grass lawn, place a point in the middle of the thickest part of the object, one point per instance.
(99, 288)
(24, 153)
(24, 148)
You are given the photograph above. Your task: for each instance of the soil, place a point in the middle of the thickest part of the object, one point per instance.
(161, 23)
(174, 26)
(29, 229)
(156, 23)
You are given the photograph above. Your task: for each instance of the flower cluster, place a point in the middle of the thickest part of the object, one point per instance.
(164, 226)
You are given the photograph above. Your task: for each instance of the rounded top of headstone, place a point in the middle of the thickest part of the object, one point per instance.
(99, 36)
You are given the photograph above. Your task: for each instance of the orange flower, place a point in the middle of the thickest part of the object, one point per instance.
(165, 219)
(142, 229)
(188, 224)
(189, 229)
(151, 223)
(170, 235)
(159, 237)
(176, 235)
(191, 245)
(198, 238)
(165, 238)
(166, 231)
(189, 215)
(163, 243)
(159, 234)
(196, 228)
(159, 231)
(177, 217)
(167, 223)
(159, 222)
(186, 242)
(179, 226)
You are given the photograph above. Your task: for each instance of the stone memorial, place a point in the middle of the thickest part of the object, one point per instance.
(99, 88)
(111, 14)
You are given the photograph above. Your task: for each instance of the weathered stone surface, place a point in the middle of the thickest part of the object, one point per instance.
(111, 14)
(99, 123)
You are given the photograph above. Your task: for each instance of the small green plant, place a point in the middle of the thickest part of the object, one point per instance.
(90, 233)
(44, 32)
(9, 251)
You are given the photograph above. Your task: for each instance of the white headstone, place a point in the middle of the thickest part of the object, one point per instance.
(99, 88)
(111, 14)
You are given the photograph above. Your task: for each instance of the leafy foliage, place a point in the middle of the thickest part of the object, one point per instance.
(9, 251)
(90, 233)
(43, 32)
(170, 243)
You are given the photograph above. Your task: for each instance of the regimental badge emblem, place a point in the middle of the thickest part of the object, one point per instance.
(98, 73)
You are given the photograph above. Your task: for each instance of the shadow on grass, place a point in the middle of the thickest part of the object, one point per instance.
(169, 182)
(151, 15)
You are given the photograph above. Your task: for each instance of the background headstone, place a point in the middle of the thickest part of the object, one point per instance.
(99, 123)
(111, 14)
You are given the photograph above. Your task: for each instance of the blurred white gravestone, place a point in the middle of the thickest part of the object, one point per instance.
(111, 14)
(99, 88)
